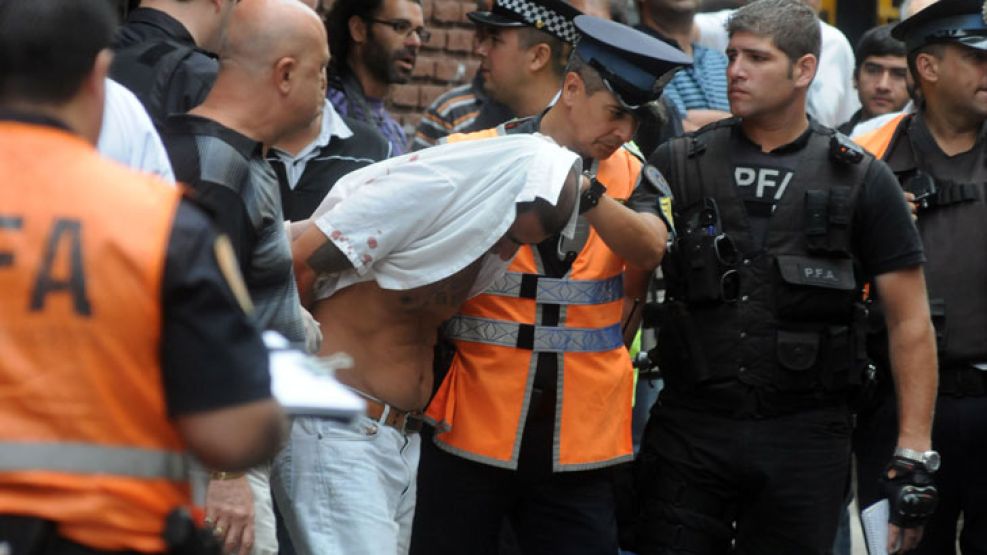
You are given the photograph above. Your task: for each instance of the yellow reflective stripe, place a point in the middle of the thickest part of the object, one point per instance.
(86, 458)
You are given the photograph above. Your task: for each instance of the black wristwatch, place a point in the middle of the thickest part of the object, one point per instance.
(591, 197)
(928, 459)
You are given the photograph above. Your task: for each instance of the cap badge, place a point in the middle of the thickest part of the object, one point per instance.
(539, 24)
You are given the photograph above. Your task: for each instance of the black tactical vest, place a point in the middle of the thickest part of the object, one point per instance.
(786, 317)
(953, 226)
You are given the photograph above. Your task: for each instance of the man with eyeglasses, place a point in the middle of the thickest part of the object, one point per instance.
(535, 410)
(779, 222)
(374, 45)
(881, 77)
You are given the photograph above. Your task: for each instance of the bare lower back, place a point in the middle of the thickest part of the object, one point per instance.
(390, 335)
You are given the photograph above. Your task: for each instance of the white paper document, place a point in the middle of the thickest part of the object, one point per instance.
(874, 521)
(304, 385)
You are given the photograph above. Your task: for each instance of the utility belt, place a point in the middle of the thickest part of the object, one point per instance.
(808, 357)
(27, 535)
(963, 380)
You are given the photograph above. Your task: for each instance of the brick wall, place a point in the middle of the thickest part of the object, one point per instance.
(443, 63)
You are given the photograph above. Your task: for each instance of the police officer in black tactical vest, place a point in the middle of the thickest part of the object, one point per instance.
(779, 221)
(939, 156)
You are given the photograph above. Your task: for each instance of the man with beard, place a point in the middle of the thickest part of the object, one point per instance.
(374, 44)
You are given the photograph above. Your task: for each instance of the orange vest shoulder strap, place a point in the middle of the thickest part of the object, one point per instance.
(877, 141)
(474, 136)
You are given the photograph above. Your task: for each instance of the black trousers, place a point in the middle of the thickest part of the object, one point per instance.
(462, 505)
(959, 433)
(711, 484)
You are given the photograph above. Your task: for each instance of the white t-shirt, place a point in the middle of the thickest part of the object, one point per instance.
(129, 137)
(416, 219)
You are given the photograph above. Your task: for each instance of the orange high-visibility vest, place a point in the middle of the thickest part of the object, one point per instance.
(877, 141)
(85, 439)
(480, 407)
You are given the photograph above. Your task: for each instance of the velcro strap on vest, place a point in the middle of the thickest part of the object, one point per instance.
(950, 192)
(546, 339)
(827, 219)
(558, 291)
(84, 458)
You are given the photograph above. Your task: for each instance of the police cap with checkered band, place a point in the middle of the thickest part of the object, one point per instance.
(957, 21)
(633, 65)
(552, 16)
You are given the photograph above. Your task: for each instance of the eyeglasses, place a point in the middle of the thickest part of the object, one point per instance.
(403, 27)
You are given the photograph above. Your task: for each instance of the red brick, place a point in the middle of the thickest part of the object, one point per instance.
(405, 95)
(450, 69)
(429, 92)
(424, 66)
(427, 9)
(447, 11)
(460, 40)
(438, 40)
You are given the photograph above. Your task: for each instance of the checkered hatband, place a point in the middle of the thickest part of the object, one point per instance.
(543, 18)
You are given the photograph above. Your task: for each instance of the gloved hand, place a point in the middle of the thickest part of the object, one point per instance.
(911, 491)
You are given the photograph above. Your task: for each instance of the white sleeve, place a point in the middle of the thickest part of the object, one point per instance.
(832, 95)
(128, 136)
(712, 27)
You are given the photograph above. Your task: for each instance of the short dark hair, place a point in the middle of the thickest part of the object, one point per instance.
(878, 41)
(529, 36)
(592, 80)
(338, 28)
(792, 26)
(48, 47)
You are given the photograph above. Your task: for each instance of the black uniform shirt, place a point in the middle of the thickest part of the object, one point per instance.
(211, 354)
(190, 82)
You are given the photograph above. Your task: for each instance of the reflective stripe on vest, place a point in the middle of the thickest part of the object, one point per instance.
(558, 291)
(85, 458)
(545, 339)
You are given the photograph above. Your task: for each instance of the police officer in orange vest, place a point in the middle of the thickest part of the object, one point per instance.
(939, 155)
(536, 406)
(779, 222)
(123, 344)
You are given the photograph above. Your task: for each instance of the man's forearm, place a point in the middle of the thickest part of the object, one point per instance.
(913, 354)
(916, 378)
(639, 238)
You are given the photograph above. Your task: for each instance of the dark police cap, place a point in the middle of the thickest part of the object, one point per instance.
(635, 66)
(959, 21)
(552, 16)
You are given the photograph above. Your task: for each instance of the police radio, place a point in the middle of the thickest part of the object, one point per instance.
(844, 150)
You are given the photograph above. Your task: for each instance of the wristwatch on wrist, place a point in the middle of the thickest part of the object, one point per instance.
(929, 459)
(591, 196)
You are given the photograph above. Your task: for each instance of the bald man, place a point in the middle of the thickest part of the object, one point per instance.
(271, 83)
